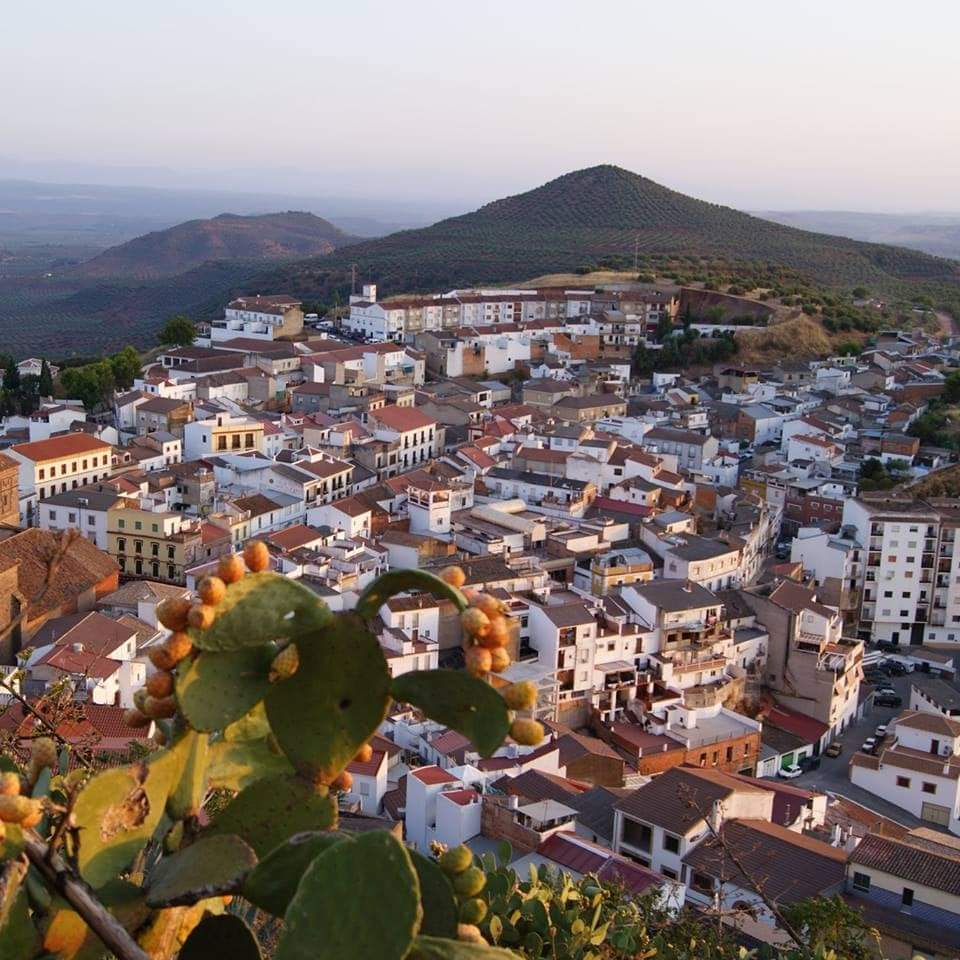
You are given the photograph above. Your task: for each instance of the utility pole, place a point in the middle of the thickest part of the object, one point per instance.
(636, 252)
(353, 279)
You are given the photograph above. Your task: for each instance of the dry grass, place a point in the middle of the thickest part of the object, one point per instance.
(802, 338)
(581, 280)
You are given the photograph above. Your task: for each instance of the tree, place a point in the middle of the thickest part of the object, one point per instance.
(951, 387)
(126, 367)
(45, 385)
(11, 377)
(871, 469)
(178, 331)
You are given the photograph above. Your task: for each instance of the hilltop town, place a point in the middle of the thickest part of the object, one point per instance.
(737, 588)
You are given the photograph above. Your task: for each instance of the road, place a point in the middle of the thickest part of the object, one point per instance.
(832, 775)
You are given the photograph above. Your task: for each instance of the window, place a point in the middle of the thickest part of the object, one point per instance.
(71, 518)
(929, 787)
(671, 843)
(137, 525)
(121, 544)
(668, 873)
(121, 524)
(888, 593)
(138, 546)
(42, 474)
(903, 781)
(861, 881)
(700, 881)
(907, 898)
(637, 835)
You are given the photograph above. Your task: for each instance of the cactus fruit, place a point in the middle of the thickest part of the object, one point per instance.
(489, 605)
(521, 696)
(497, 634)
(343, 781)
(527, 733)
(473, 911)
(160, 656)
(256, 556)
(456, 860)
(178, 646)
(475, 622)
(160, 708)
(15, 809)
(212, 590)
(160, 684)
(140, 697)
(469, 933)
(134, 718)
(172, 612)
(454, 576)
(470, 882)
(201, 616)
(478, 661)
(364, 754)
(499, 660)
(285, 664)
(230, 569)
(43, 752)
(34, 816)
(9, 784)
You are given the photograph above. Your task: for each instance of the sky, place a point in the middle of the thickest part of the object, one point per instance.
(844, 104)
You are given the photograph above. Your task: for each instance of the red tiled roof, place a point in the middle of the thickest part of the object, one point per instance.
(622, 506)
(432, 775)
(796, 723)
(56, 448)
(402, 419)
(462, 798)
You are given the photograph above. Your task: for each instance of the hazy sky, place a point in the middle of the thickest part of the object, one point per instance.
(843, 104)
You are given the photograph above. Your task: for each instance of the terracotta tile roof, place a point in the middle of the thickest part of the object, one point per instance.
(929, 722)
(292, 538)
(57, 448)
(928, 864)
(462, 798)
(793, 866)
(93, 631)
(402, 419)
(79, 567)
(536, 785)
(432, 775)
(369, 768)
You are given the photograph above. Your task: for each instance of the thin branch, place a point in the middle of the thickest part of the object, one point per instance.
(103, 923)
(756, 884)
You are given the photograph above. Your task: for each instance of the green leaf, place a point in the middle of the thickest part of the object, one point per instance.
(12, 844)
(234, 766)
(18, 936)
(432, 948)
(457, 700)
(260, 608)
(334, 702)
(436, 898)
(274, 880)
(504, 852)
(207, 868)
(495, 926)
(361, 898)
(8, 766)
(274, 808)
(117, 812)
(403, 581)
(223, 936)
(189, 787)
(215, 689)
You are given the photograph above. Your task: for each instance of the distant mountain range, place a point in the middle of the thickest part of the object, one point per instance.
(583, 216)
(164, 253)
(123, 294)
(936, 233)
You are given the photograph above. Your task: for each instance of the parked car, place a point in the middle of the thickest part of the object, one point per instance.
(809, 763)
(881, 731)
(887, 700)
(869, 745)
(886, 692)
(896, 669)
(789, 772)
(835, 749)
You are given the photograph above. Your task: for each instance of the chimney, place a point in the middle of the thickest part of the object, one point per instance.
(716, 816)
(76, 647)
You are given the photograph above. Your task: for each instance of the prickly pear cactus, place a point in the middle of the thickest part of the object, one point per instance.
(261, 699)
